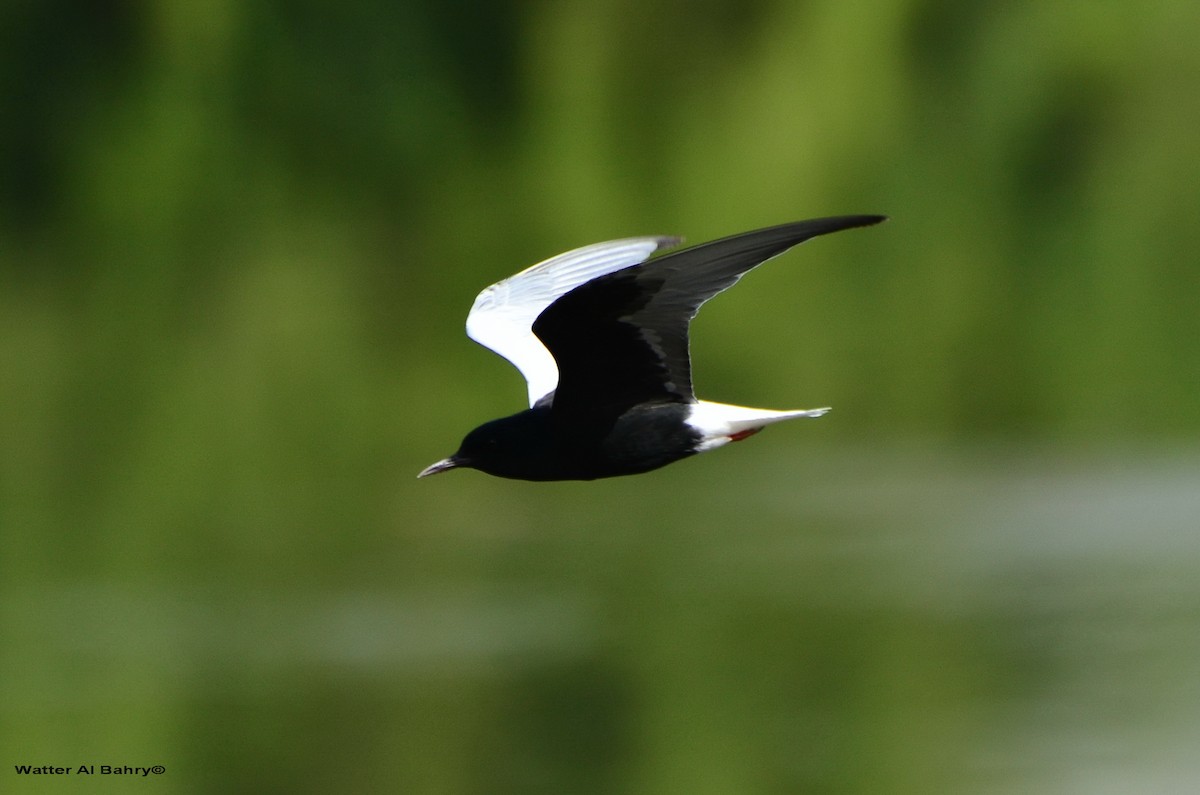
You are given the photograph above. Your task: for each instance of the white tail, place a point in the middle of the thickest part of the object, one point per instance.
(721, 423)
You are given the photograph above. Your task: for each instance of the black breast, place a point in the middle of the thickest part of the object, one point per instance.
(647, 437)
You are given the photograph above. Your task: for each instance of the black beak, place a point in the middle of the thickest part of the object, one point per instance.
(440, 466)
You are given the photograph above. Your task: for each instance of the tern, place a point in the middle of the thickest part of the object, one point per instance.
(600, 334)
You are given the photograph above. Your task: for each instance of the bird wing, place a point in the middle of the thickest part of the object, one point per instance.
(622, 338)
(503, 314)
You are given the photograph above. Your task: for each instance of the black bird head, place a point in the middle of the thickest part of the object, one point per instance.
(519, 446)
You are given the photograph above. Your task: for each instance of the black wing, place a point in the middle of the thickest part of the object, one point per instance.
(622, 339)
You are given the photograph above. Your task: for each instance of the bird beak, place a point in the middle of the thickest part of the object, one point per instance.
(440, 466)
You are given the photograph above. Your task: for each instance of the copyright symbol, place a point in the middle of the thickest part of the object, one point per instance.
(158, 770)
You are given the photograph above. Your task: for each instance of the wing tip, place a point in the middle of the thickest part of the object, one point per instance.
(839, 222)
(816, 227)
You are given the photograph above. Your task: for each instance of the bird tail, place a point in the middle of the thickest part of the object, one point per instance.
(719, 423)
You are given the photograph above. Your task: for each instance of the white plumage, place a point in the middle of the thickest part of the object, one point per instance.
(503, 314)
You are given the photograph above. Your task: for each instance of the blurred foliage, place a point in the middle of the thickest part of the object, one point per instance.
(237, 246)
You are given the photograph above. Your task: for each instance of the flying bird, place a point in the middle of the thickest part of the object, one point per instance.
(601, 336)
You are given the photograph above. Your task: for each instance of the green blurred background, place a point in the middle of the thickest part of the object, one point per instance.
(237, 247)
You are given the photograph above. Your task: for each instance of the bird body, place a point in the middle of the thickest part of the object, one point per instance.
(601, 335)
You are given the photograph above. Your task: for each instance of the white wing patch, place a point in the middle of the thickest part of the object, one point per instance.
(503, 314)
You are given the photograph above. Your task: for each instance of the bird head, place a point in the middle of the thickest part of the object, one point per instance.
(511, 447)
(478, 446)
